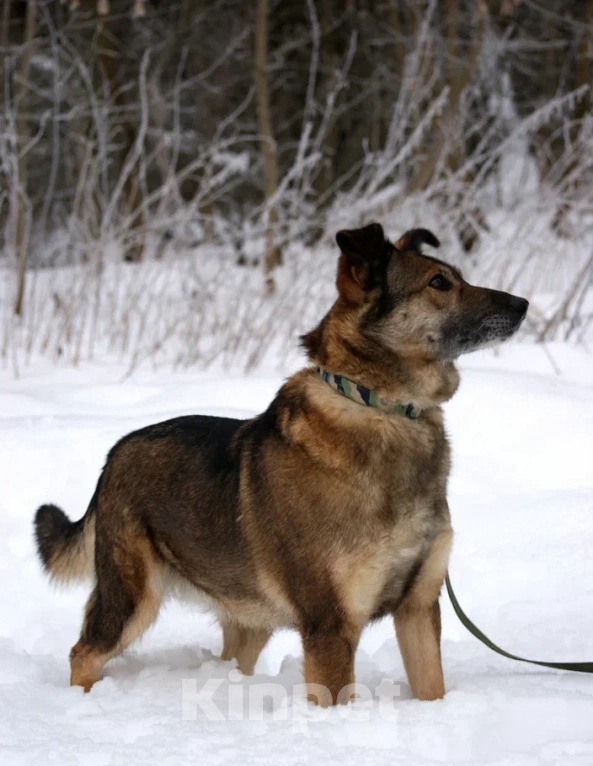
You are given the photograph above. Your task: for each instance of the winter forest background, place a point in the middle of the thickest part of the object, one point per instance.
(172, 174)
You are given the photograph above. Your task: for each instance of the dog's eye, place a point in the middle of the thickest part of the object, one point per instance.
(439, 282)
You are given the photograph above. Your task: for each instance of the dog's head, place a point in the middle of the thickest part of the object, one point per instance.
(395, 298)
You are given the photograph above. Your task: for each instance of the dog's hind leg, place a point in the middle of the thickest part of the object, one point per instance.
(418, 624)
(244, 644)
(231, 640)
(124, 603)
(253, 641)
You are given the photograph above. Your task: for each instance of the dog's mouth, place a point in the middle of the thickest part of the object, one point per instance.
(485, 331)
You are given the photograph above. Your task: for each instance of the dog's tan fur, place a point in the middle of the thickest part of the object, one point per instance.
(321, 514)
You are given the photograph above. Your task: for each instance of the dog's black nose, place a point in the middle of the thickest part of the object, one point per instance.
(520, 305)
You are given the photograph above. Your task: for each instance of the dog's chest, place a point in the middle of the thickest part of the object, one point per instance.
(379, 568)
(394, 507)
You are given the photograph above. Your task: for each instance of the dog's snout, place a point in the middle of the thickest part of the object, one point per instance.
(520, 305)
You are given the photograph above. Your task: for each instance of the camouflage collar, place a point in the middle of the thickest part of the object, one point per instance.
(362, 395)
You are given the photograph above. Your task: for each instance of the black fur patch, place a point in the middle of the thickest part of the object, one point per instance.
(52, 529)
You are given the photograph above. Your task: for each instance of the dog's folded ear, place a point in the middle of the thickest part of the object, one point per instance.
(362, 252)
(414, 238)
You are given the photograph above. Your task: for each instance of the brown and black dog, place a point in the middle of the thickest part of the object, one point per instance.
(322, 513)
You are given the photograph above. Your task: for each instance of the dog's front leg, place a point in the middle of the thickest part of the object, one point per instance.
(418, 631)
(418, 623)
(329, 664)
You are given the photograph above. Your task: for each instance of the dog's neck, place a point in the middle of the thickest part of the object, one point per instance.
(415, 380)
(366, 396)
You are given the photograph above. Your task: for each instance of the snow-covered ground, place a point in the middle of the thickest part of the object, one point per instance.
(521, 497)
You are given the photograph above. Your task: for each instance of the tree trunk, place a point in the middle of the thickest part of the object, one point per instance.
(4, 41)
(560, 223)
(20, 195)
(109, 39)
(395, 21)
(4, 77)
(273, 256)
(448, 129)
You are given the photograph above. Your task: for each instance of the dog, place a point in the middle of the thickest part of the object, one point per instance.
(327, 511)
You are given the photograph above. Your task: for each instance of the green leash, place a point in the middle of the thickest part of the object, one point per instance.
(581, 667)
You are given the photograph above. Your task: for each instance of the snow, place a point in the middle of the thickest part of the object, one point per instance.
(521, 496)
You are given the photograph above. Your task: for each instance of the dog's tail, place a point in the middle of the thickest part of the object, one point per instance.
(66, 548)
